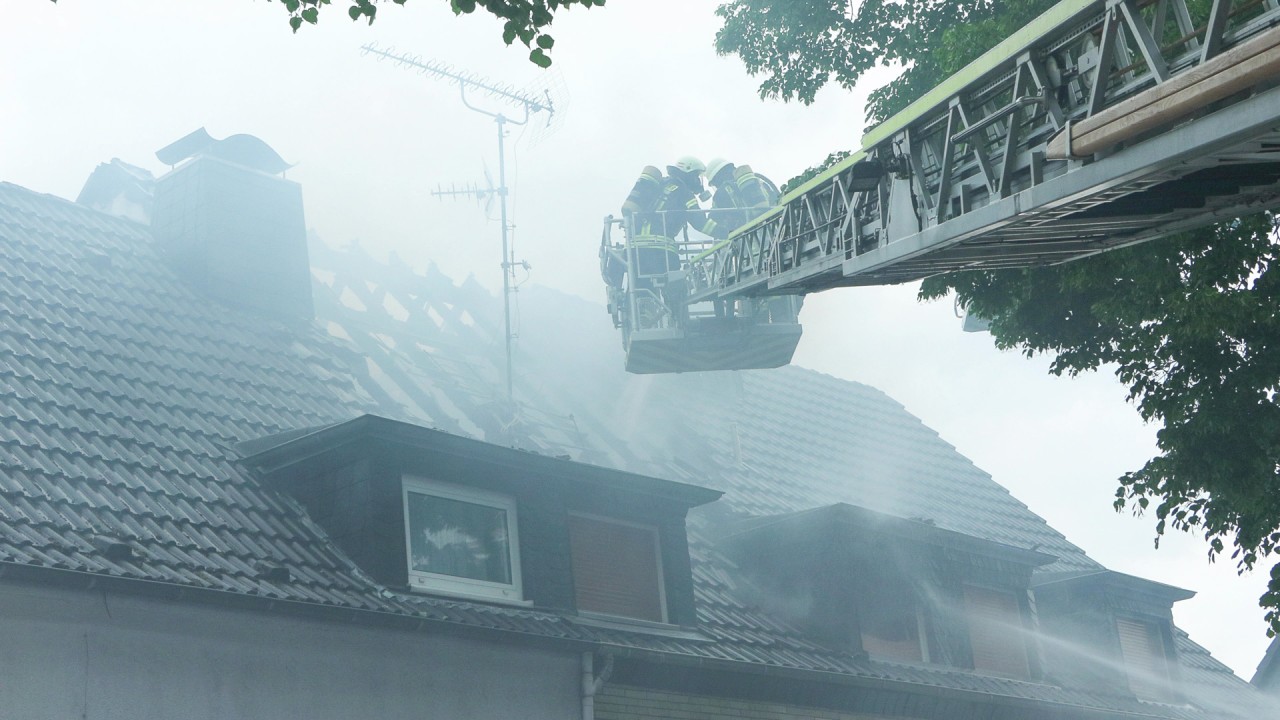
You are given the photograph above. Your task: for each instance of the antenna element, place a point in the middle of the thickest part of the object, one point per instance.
(531, 105)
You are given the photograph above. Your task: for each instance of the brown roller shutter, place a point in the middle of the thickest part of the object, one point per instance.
(616, 568)
(995, 632)
(1144, 658)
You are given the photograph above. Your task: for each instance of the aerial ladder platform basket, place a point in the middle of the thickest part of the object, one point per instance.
(1101, 124)
(664, 333)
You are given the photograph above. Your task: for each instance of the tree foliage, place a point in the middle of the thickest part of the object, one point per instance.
(799, 46)
(1189, 323)
(525, 20)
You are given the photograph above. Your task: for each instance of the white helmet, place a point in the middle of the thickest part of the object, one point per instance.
(715, 166)
(690, 164)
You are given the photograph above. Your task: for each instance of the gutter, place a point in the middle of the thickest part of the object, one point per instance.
(136, 587)
(847, 680)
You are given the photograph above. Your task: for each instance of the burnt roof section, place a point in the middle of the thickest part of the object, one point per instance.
(312, 447)
(120, 189)
(776, 441)
(124, 395)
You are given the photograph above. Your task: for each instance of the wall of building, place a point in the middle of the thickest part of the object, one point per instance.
(620, 702)
(99, 655)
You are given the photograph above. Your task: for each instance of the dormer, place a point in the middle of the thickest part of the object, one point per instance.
(424, 511)
(1098, 621)
(895, 589)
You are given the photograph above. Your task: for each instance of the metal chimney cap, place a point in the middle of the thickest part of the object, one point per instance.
(244, 150)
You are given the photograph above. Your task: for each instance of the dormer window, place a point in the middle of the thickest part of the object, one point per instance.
(1123, 619)
(461, 540)
(617, 568)
(894, 633)
(996, 639)
(898, 589)
(889, 619)
(423, 511)
(1145, 662)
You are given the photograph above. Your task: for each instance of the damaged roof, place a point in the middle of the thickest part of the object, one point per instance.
(125, 396)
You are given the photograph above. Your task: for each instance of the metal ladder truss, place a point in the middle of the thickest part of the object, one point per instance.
(1103, 123)
(663, 332)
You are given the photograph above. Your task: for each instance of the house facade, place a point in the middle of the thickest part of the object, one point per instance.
(243, 475)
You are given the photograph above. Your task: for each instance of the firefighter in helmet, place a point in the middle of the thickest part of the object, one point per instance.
(659, 208)
(741, 194)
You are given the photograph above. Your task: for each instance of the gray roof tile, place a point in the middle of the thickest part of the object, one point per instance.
(122, 392)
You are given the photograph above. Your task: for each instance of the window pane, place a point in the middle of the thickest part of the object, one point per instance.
(615, 568)
(888, 619)
(1144, 658)
(892, 632)
(995, 632)
(462, 539)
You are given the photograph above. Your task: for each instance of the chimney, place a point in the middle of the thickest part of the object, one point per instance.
(233, 226)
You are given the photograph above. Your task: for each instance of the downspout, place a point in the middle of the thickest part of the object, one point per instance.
(592, 682)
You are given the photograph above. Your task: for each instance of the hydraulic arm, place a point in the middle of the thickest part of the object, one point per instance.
(1103, 123)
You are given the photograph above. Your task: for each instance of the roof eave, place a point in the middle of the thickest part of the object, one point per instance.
(1116, 579)
(297, 447)
(839, 515)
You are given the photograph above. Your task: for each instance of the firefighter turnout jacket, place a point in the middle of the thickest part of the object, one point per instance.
(740, 199)
(671, 205)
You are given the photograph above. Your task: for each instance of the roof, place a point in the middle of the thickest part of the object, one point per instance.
(125, 396)
(1265, 676)
(273, 453)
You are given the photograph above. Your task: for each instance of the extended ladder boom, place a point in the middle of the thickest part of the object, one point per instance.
(1102, 123)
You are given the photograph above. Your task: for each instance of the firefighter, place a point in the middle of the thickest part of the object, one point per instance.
(659, 208)
(644, 194)
(741, 194)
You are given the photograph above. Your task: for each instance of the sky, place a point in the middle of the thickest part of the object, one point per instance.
(635, 83)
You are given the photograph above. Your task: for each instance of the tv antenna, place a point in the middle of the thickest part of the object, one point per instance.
(530, 105)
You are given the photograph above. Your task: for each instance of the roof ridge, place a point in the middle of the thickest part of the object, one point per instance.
(68, 205)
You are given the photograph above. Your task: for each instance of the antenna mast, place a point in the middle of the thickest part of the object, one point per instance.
(530, 104)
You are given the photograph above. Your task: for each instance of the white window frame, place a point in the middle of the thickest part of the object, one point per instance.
(657, 556)
(442, 584)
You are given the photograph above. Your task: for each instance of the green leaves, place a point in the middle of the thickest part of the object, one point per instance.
(523, 20)
(1191, 326)
(799, 46)
(365, 8)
